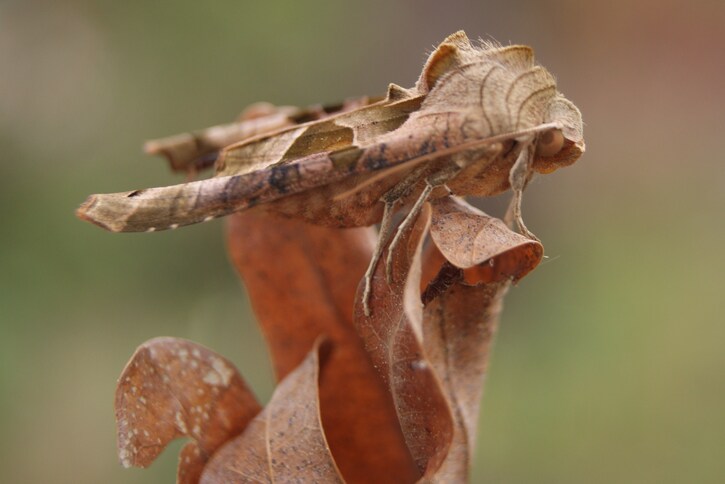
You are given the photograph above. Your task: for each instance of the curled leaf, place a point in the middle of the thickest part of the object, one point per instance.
(433, 358)
(458, 327)
(393, 337)
(476, 257)
(172, 388)
(301, 281)
(285, 442)
(467, 238)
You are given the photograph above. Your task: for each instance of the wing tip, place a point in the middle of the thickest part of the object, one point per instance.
(92, 210)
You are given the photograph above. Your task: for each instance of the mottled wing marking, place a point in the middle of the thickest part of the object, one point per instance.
(193, 202)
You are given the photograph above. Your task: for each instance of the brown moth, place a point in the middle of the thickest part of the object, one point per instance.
(480, 119)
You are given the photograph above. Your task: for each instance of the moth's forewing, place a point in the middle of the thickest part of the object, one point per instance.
(308, 185)
(197, 150)
(358, 128)
(194, 151)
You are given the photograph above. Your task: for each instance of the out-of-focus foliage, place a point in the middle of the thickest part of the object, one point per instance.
(608, 365)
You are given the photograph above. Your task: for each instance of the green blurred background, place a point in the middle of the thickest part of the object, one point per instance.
(610, 362)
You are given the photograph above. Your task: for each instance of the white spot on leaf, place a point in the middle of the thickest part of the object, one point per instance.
(220, 374)
(180, 424)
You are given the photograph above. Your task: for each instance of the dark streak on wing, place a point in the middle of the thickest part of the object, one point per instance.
(230, 188)
(424, 147)
(284, 177)
(446, 141)
(376, 160)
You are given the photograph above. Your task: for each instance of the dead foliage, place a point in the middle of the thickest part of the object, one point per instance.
(379, 342)
(393, 397)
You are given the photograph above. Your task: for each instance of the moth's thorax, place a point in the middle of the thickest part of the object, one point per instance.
(494, 97)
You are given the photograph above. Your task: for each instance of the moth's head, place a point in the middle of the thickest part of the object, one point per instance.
(563, 145)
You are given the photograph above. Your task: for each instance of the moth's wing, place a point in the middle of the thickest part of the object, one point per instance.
(196, 150)
(356, 128)
(169, 207)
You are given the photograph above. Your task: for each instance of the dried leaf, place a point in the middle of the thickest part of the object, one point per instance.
(284, 443)
(462, 309)
(301, 281)
(433, 358)
(469, 238)
(191, 464)
(172, 388)
(458, 327)
(393, 337)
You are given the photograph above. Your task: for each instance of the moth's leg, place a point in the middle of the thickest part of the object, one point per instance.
(400, 191)
(410, 218)
(386, 225)
(519, 176)
(432, 182)
(390, 198)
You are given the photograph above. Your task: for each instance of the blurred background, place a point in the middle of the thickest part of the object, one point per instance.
(610, 362)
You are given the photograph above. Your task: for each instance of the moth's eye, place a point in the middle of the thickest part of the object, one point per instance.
(550, 143)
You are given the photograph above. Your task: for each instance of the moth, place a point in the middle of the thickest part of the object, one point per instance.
(482, 118)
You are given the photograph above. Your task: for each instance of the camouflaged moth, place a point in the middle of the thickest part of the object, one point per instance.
(480, 119)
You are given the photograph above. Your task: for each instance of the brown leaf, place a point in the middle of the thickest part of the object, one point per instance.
(191, 464)
(469, 238)
(172, 388)
(458, 327)
(433, 359)
(284, 443)
(393, 337)
(301, 280)
(460, 319)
